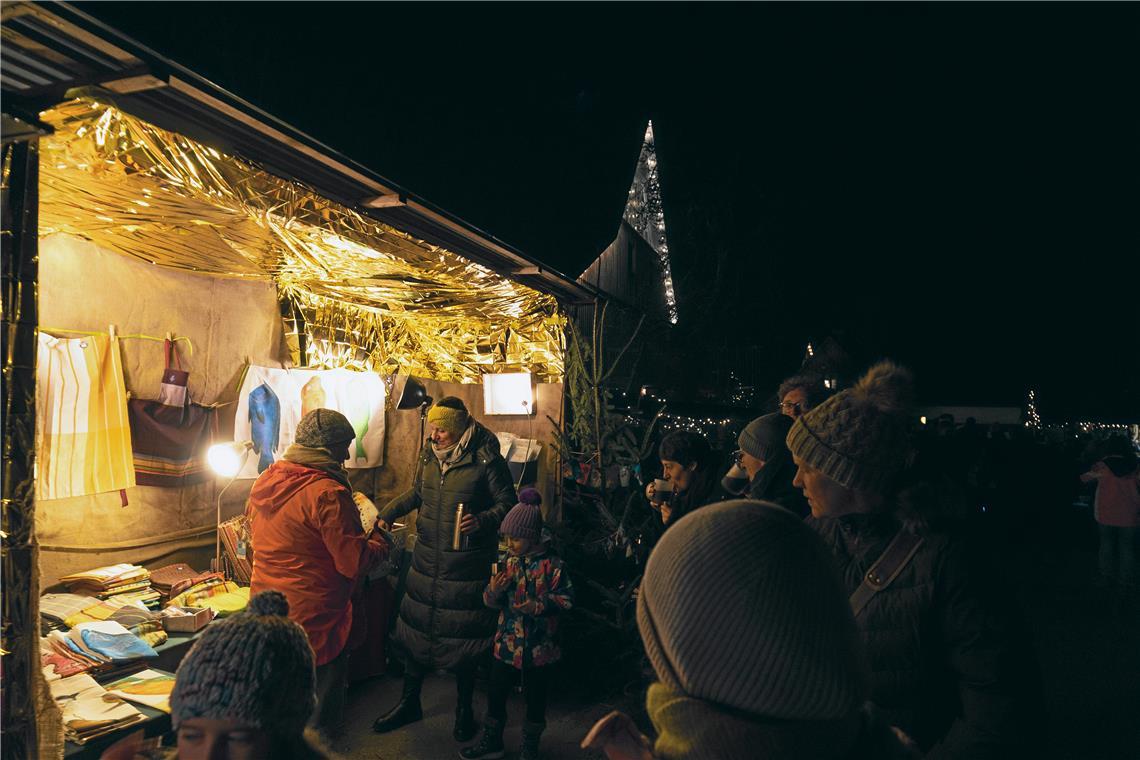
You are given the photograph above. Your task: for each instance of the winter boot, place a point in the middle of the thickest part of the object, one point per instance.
(490, 746)
(465, 725)
(407, 710)
(531, 734)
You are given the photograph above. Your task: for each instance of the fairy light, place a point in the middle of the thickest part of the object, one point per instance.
(645, 213)
(1032, 418)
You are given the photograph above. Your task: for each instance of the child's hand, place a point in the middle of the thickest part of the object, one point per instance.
(500, 582)
(529, 607)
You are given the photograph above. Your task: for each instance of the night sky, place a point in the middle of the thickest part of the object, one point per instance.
(952, 185)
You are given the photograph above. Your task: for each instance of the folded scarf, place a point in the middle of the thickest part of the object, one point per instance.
(318, 459)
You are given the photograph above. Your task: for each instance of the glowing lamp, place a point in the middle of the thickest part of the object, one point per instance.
(508, 393)
(227, 459)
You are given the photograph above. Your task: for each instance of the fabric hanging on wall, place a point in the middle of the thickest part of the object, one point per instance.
(170, 436)
(273, 401)
(83, 437)
(169, 443)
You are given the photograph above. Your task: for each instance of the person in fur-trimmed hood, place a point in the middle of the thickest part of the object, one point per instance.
(948, 666)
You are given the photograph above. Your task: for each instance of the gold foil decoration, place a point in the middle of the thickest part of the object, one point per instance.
(372, 297)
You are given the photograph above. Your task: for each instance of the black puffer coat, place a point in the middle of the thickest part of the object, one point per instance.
(443, 621)
(949, 666)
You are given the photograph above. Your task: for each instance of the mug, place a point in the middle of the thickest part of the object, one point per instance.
(662, 491)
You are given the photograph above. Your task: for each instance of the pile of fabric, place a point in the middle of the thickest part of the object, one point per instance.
(101, 646)
(124, 581)
(213, 592)
(87, 713)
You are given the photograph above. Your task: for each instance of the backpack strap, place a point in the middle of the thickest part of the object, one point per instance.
(886, 568)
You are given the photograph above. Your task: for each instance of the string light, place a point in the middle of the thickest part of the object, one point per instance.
(645, 213)
(1032, 418)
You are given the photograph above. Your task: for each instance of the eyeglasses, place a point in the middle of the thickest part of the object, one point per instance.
(738, 457)
(793, 405)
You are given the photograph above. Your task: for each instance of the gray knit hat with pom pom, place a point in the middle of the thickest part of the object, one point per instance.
(858, 437)
(256, 667)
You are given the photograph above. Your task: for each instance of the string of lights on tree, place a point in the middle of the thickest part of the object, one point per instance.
(646, 214)
(1032, 418)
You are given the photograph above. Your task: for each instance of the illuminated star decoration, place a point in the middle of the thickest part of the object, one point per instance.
(645, 214)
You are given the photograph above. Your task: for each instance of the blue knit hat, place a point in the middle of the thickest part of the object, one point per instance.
(525, 518)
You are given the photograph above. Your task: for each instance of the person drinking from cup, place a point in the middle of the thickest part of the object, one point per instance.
(690, 476)
(529, 592)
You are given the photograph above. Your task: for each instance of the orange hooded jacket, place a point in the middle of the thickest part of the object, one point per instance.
(309, 545)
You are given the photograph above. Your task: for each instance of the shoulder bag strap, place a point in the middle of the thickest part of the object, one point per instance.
(886, 568)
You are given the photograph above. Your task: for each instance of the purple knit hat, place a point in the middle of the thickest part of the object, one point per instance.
(525, 518)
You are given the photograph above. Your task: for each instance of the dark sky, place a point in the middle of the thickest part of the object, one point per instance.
(952, 185)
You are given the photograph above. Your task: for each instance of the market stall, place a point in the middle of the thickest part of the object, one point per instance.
(160, 284)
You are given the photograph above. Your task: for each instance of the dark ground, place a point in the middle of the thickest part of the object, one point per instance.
(1089, 653)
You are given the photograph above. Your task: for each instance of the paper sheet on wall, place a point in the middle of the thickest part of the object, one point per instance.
(273, 401)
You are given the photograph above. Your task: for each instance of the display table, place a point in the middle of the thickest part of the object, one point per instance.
(170, 655)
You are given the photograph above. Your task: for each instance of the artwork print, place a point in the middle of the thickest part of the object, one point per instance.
(273, 401)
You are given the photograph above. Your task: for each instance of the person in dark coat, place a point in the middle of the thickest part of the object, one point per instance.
(948, 665)
(753, 645)
(690, 466)
(443, 623)
(765, 459)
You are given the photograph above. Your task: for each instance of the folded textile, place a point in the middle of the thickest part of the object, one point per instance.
(164, 578)
(147, 687)
(211, 587)
(59, 607)
(102, 579)
(110, 640)
(86, 712)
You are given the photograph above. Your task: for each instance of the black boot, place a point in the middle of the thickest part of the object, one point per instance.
(465, 725)
(407, 710)
(531, 734)
(490, 746)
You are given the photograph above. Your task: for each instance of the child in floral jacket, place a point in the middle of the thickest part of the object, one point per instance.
(530, 593)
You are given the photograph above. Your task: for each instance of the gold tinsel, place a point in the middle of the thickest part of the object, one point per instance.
(371, 297)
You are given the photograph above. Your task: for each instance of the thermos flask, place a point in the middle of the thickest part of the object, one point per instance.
(459, 541)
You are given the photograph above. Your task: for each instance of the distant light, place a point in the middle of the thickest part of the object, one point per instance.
(922, 419)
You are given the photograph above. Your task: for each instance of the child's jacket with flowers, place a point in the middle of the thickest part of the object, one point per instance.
(530, 640)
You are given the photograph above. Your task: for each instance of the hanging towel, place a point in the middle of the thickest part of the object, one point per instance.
(83, 436)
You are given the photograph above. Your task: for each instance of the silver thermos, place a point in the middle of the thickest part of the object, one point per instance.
(459, 542)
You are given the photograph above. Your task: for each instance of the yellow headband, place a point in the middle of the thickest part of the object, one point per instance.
(453, 421)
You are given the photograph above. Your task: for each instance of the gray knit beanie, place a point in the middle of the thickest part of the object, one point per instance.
(764, 436)
(255, 666)
(322, 428)
(741, 607)
(858, 437)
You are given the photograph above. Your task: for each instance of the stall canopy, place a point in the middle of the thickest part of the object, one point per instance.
(359, 292)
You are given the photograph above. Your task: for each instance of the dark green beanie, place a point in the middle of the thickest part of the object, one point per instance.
(322, 428)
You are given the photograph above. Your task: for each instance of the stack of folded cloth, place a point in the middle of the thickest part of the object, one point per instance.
(88, 711)
(103, 646)
(112, 581)
(55, 609)
(164, 578)
(215, 592)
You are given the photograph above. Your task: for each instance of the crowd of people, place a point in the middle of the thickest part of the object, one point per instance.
(818, 596)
